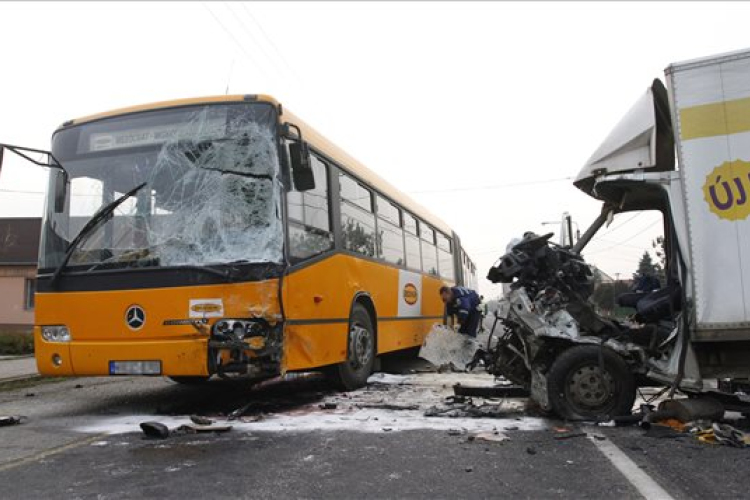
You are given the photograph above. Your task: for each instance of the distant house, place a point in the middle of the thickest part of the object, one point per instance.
(19, 248)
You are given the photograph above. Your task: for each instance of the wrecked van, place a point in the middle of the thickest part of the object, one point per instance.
(682, 150)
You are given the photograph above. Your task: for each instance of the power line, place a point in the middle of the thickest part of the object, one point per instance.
(618, 226)
(629, 238)
(496, 186)
(234, 38)
(20, 191)
(270, 41)
(252, 38)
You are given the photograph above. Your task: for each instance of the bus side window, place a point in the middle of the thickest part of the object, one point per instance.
(357, 217)
(445, 258)
(411, 238)
(390, 235)
(429, 251)
(309, 217)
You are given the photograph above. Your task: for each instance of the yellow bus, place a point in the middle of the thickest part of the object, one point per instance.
(224, 236)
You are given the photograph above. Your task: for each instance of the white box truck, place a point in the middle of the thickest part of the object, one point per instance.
(682, 150)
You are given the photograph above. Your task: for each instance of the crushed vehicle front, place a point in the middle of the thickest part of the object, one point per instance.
(575, 361)
(183, 277)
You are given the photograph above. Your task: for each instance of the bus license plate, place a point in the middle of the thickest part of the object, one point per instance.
(135, 367)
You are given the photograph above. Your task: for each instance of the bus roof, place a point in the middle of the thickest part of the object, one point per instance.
(310, 135)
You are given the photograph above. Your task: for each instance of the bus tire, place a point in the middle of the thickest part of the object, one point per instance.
(360, 353)
(578, 390)
(190, 380)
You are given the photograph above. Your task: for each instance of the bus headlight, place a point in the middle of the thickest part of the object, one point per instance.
(56, 333)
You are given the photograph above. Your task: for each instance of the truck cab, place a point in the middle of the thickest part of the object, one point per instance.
(682, 150)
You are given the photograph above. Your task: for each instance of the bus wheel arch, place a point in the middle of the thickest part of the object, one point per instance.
(361, 346)
(364, 299)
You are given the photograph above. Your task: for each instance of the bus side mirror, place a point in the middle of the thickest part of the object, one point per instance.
(302, 172)
(2, 152)
(61, 190)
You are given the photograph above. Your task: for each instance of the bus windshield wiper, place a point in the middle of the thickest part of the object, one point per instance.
(100, 216)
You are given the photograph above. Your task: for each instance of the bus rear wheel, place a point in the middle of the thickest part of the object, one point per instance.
(360, 358)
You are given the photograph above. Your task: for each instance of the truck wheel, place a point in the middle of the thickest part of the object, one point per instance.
(360, 358)
(190, 380)
(578, 390)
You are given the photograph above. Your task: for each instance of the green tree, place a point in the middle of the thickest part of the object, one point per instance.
(606, 293)
(647, 267)
(661, 254)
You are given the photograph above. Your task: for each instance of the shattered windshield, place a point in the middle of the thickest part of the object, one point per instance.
(211, 194)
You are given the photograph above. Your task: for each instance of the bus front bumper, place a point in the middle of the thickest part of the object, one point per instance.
(184, 357)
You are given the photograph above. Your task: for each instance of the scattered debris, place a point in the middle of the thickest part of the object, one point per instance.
(690, 409)
(155, 430)
(389, 403)
(239, 411)
(204, 428)
(497, 391)
(79, 386)
(493, 437)
(9, 420)
(569, 435)
(197, 419)
(469, 469)
(531, 451)
(388, 406)
(328, 406)
(463, 407)
(663, 431)
(455, 432)
(725, 434)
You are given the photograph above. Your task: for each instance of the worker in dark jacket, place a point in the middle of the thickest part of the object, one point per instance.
(463, 303)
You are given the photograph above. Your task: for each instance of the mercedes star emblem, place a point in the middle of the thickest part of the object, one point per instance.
(135, 317)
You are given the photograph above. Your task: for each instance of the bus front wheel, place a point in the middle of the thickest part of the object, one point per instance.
(360, 359)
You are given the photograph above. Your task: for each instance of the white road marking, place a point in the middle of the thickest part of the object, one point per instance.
(645, 485)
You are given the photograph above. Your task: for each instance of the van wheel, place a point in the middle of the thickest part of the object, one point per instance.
(360, 358)
(579, 389)
(190, 380)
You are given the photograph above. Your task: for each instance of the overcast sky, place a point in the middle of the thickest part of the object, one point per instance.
(481, 111)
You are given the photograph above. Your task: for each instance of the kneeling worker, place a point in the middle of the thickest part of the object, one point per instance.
(462, 303)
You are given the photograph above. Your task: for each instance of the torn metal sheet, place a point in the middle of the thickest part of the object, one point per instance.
(443, 346)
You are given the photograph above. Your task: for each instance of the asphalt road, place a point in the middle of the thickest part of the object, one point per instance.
(81, 440)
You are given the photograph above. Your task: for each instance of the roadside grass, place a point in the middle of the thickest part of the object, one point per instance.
(12, 385)
(16, 342)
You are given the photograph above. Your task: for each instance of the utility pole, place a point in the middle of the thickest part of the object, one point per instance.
(614, 291)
